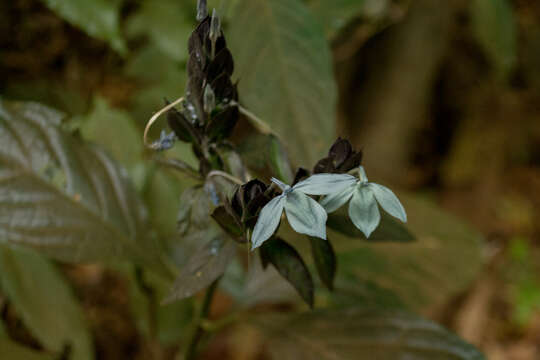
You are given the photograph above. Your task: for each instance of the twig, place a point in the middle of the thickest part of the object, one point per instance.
(256, 121)
(191, 351)
(179, 165)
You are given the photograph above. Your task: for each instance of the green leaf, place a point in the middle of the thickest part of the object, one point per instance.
(494, 26)
(167, 24)
(98, 18)
(63, 198)
(360, 333)
(205, 265)
(285, 71)
(333, 15)
(290, 265)
(10, 350)
(45, 302)
(418, 271)
(113, 130)
(325, 260)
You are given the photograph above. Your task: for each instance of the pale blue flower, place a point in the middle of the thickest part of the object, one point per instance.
(363, 209)
(304, 214)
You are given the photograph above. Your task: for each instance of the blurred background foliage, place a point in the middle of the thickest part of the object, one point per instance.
(441, 95)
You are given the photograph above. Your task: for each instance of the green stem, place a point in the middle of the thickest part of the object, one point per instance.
(200, 331)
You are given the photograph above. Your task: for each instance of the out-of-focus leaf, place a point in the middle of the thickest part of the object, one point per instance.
(324, 258)
(495, 29)
(172, 320)
(166, 79)
(290, 265)
(360, 333)
(45, 302)
(10, 350)
(98, 18)
(204, 266)
(64, 198)
(416, 271)
(166, 23)
(293, 61)
(115, 131)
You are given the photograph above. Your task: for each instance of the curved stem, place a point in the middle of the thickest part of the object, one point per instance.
(200, 331)
(257, 122)
(155, 117)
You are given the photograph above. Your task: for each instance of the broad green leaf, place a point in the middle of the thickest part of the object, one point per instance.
(290, 265)
(360, 333)
(205, 265)
(98, 18)
(64, 198)
(333, 15)
(10, 350)
(45, 302)
(419, 271)
(167, 23)
(285, 71)
(494, 26)
(325, 260)
(115, 131)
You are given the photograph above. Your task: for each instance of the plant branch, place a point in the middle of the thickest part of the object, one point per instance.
(200, 331)
(179, 165)
(226, 176)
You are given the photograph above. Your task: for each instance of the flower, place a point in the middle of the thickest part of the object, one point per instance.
(304, 214)
(363, 209)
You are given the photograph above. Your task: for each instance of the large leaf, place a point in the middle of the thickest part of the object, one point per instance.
(166, 23)
(45, 302)
(443, 260)
(10, 350)
(285, 71)
(66, 199)
(357, 333)
(98, 18)
(495, 29)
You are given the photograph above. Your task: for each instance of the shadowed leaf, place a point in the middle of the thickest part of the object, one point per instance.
(325, 260)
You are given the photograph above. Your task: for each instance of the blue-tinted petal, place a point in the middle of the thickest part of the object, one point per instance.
(267, 221)
(305, 215)
(363, 210)
(388, 201)
(334, 201)
(324, 184)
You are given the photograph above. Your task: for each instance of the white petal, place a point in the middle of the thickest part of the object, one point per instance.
(267, 221)
(334, 201)
(305, 215)
(281, 184)
(363, 176)
(324, 184)
(388, 201)
(363, 210)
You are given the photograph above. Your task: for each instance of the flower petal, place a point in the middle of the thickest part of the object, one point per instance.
(388, 201)
(324, 184)
(267, 221)
(334, 201)
(363, 210)
(281, 184)
(305, 215)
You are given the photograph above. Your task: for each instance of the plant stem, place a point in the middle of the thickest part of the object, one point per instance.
(199, 333)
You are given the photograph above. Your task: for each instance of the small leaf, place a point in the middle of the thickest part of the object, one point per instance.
(325, 260)
(279, 160)
(10, 350)
(388, 201)
(47, 305)
(268, 221)
(360, 333)
(324, 184)
(228, 223)
(334, 201)
(290, 265)
(203, 267)
(363, 210)
(98, 18)
(305, 215)
(222, 124)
